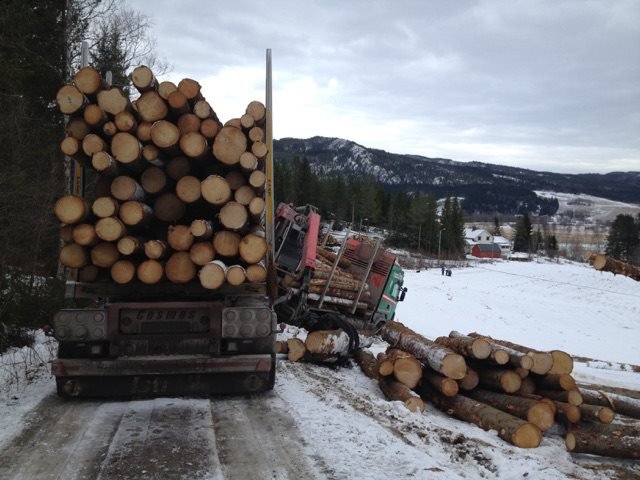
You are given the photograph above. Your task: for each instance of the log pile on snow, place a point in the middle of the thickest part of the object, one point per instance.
(179, 195)
(514, 389)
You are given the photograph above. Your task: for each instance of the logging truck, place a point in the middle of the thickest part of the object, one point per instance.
(178, 255)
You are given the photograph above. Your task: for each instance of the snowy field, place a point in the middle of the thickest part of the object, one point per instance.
(595, 208)
(348, 430)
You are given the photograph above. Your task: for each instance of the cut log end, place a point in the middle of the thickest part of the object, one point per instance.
(527, 436)
(454, 366)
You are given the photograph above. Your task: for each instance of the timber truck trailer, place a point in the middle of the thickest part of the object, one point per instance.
(182, 339)
(170, 339)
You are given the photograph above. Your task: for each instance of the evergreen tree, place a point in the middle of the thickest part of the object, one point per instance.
(522, 240)
(624, 238)
(496, 226)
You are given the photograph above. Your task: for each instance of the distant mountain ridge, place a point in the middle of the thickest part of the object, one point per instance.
(486, 187)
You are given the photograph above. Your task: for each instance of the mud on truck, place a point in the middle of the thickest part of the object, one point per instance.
(142, 337)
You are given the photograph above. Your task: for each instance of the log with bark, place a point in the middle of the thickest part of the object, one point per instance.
(500, 379)
(606, 440)
(510, 428)
(397, 391)
(439, 358)
(534, 411)
(445, 385)
(542, 361)
(476, 348)
(621, 404)
(617, 267)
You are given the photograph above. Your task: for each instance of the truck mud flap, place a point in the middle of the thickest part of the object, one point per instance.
(256, 376)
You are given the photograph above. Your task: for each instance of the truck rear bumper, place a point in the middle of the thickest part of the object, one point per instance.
(158, 376)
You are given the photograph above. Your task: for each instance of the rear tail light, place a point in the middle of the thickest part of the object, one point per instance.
(247, 322)
(80, 325)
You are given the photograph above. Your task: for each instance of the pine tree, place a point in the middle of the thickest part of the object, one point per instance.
(522, 240)
(624, 238)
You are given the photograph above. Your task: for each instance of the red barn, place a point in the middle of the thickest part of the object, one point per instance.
(486, 250)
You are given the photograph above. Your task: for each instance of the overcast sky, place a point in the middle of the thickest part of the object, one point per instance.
(547, 85)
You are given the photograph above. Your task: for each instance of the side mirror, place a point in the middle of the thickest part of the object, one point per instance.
(403, 292)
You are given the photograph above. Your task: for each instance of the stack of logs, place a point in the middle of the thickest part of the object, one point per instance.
(178, 194)
(341, 288)
(510, 388)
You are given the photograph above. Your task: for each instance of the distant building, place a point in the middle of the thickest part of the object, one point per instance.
(486, 250)
(504, 244)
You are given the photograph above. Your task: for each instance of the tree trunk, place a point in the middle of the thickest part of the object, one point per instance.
(562, 363)
(328, 342)
(178, 103)
(618, 403)
(226, 243)
(215, 190)
(236, 275)
(256, 273)
(297, 349)
(573, 397)
(179, 237)
(408, 371)
(125, 188)
(189, 123)
(476, 348)
(77, 128)
(135, 214)
(252, 248)
(105, 164)
(126, 122)
(552, 381)
(123, 272)
(234, 216)
(542, 361)
(166, 136)
(567, 413)
(104, 255)
(396, 391)
(89, 81)
(191, 89)
(143, 79)
(499, 379)
(470, 380)
(110, 229)
(258, 111)
(84, 234)
(209, 128)
(535, 412)
(126, 148)
(439, 358)
(70, 100)
(168, 207)
(605, 440)
(150, 272)
(617, 267)
(155, 249)
(213, 275)
(511, 429)
(201, 229)
(597, 413)
(194, 145)
(256, 207)
(248, 162)
(94, 116)
(331, 258)
(282, 347)
(129, 245)
(368, 363)
(202, 253)
(151, 107)
(188, 189)
(447, 386)
(105, 207)
(229, 144)
(93, 143)
(180, 268)
(165, 88)
(73, 255)
(113, 101)
(244, 195)
(153, 180)
(71, 209)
